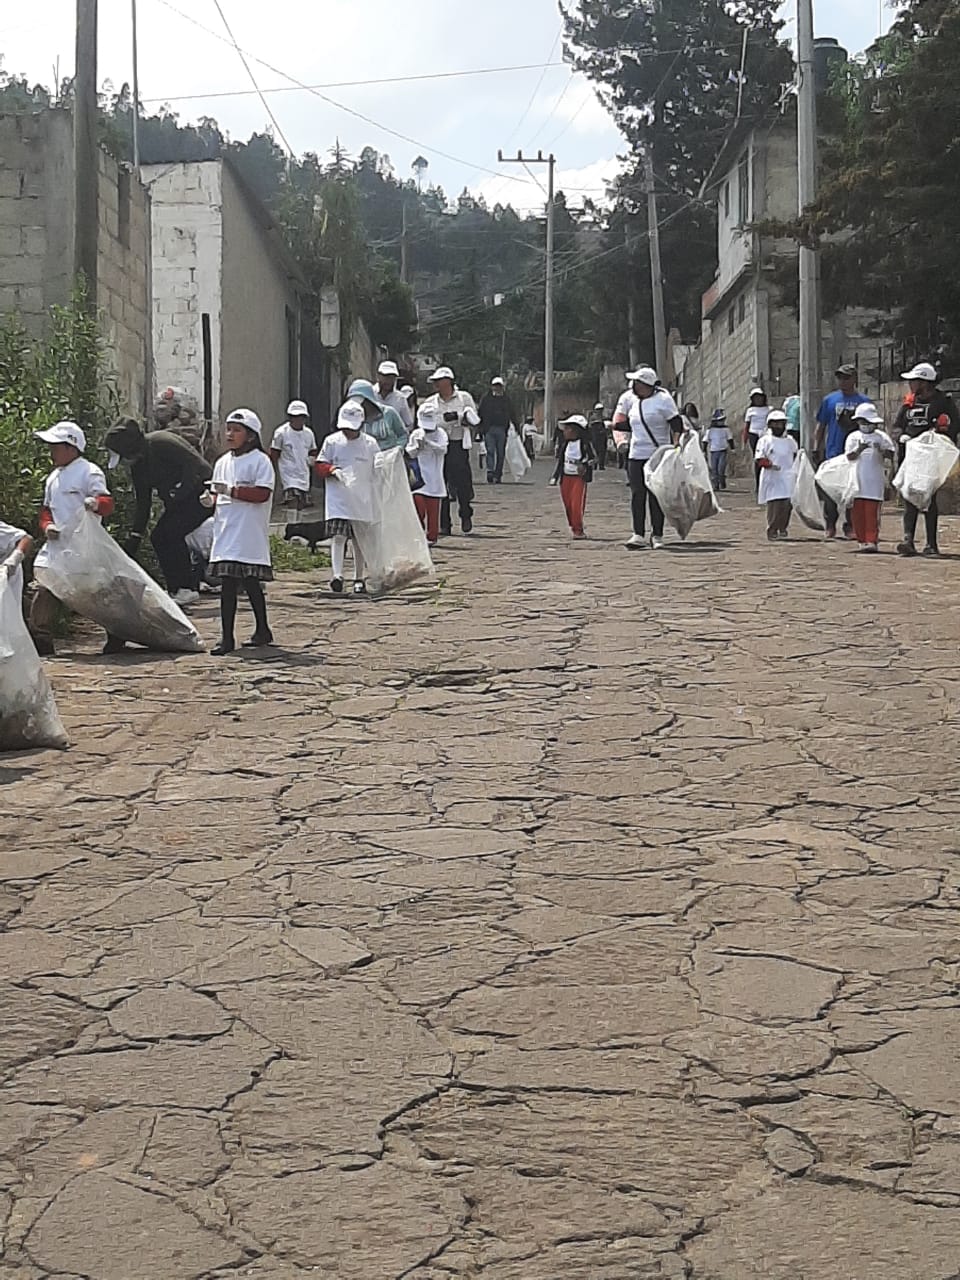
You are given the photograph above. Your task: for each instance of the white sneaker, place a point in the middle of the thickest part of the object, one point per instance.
(656, 543)
(185, 596)
(635, 542)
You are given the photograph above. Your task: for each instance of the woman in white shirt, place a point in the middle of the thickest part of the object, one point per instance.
(654, 421)
(776, 458)
(868, 446)
(755, 422)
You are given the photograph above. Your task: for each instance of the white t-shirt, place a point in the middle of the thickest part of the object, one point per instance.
(295, 448)
(352, 497)
(650, 418)
(67, 487)
(756, 419)
(572, 457)
(396, 401)
(782, 452)
(10, 535)
(429, 449)
(871, 478)
(241, 530)
(624, 405)
(461, 404)
(719, 439)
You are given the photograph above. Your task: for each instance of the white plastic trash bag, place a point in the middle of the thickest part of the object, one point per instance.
(200, 541)
(394, 544)
(929, 460)
(518, 464)
(93, 576)
(806, 500)
(837, 477)
(679, 478)
(28, 713)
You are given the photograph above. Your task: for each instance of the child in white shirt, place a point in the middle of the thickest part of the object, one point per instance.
(719, 441)
(867, 446)
(428, 443)
(575, 470)
(293, 451)
(776, 457)
(240, 493)
(346, 462)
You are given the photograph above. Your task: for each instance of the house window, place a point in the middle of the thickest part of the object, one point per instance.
(731, 320)
(726, 199)
(742, 315)
(743, 190)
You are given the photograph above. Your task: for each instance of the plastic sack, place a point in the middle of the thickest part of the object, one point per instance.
(837, 477)
(518, 463)
(90, 574)
(394, 544)
(929, 460)
(679, 478)
(806, 500)
(200, 541)
(28, 713)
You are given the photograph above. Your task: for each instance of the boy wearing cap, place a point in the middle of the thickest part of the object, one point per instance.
(927, 409)
(867, 446)
(293, 452)
(654, 420)
(387, 377)
(776, 457)
(346, 462)
(496, 418)
(834, 424)
(428, 443)
(458, 415)
(74, 483)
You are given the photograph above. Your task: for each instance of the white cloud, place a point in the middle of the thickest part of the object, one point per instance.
(589, 182)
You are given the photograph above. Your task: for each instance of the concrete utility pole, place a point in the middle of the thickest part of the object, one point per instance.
(656, 269)
(136, 91)
(809, 258)
(548, 371)
(86, 171)
(633, 349)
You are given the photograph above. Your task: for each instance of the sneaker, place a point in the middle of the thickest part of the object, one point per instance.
(931, 550)
(636, 543)
(773, 537)
(359, 588)
(870, 549)
(336, 586)
(784, 536)
(906, 548)
(831, 531)
(185, 596)
(656, 544)
(578, 537)
(222, 649)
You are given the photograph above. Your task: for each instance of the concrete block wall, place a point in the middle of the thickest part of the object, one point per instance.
(123, 282)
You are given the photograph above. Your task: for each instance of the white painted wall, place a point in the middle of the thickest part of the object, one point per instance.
(734, 244)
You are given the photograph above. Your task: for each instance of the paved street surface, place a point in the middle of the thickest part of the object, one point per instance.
(594, 918)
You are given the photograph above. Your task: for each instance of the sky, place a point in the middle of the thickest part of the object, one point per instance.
(457, 123)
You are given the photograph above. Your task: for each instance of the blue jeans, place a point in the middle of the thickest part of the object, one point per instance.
(495, 438)
(718, 469)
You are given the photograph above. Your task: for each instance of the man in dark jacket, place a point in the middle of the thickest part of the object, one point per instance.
(927, 408)
(496, 415)
(163, 463)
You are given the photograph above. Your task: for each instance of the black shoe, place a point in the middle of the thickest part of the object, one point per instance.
(114, 645)
(490, 480)
(498, 480)
(222, 649)
(906, 548)
(258, 640)
(44, 646)
(931, 550)
(466, 524)
(336, 586)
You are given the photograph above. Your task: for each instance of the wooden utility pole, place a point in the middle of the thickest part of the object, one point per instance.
(548, 370)
(656, 269)
(809, 257)
(86, 159)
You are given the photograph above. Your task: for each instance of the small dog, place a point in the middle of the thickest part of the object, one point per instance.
(308, 534)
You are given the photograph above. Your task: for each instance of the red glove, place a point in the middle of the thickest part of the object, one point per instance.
(943, 422)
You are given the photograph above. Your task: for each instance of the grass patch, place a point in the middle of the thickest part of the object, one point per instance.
(288, 558)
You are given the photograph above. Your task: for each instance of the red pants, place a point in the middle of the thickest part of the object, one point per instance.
(428, 509)
(573, 491)
(866, 521)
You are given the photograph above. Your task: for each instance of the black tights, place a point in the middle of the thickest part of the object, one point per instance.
(229, 591)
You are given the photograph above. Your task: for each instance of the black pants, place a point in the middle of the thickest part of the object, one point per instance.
(931, 518)
(168, 538)
(831, 512)
(598, 436)
(641, 499)
(459, 478)
(754, 441)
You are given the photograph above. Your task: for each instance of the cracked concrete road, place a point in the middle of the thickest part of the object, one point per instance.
(595, 918)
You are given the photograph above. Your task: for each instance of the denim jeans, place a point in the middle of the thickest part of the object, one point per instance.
(495, 438)
(718, 469)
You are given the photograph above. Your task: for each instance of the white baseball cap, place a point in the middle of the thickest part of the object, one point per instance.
(247, 418)
(922, 372)
(757, 391)
(443, 372)
(497, 382)
(575, 420)
(427, 417)
(351, 416)
(597, 406)
(297, 409)
(644, 374)
(407, 392)
(63, 433)
(389, 367)
(868, 413)
(777, 415)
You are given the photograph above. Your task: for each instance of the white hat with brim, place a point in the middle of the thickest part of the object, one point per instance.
(427, 417)
(389, 369)
(758, 391)
(575, 420)
(644, 374)
(350, 417)
(246, 418)
(922, 372)
(63, 433)
(497, 382)
(596, 407)
(776, 415)
(868, 413)
(297, 409)
(444, 372)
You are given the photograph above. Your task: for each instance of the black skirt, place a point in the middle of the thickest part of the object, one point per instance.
(236, 569)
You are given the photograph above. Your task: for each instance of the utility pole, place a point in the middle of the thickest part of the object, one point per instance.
(136, 92)
(656, 270)
(548, 371)
(86, 172)
(809, 257)
(633, 350)
(404, 243)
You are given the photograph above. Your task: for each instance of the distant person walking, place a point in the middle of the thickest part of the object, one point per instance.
(574, 470)
(457, 414)
(496, 418)
(387, 377)
(598, 435)
(653, 418)
(755, 425)
(720, 442)
(776, 457)
(927, 409)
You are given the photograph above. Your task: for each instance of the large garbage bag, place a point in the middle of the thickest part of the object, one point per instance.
(929, 460)
(679, 478)
(518, 464)
(28, 713)
(90, 574)
(806, 500)
(393, 544)
(837, 477)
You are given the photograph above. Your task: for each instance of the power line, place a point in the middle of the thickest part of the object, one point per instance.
(253, 78)
(533, 97)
